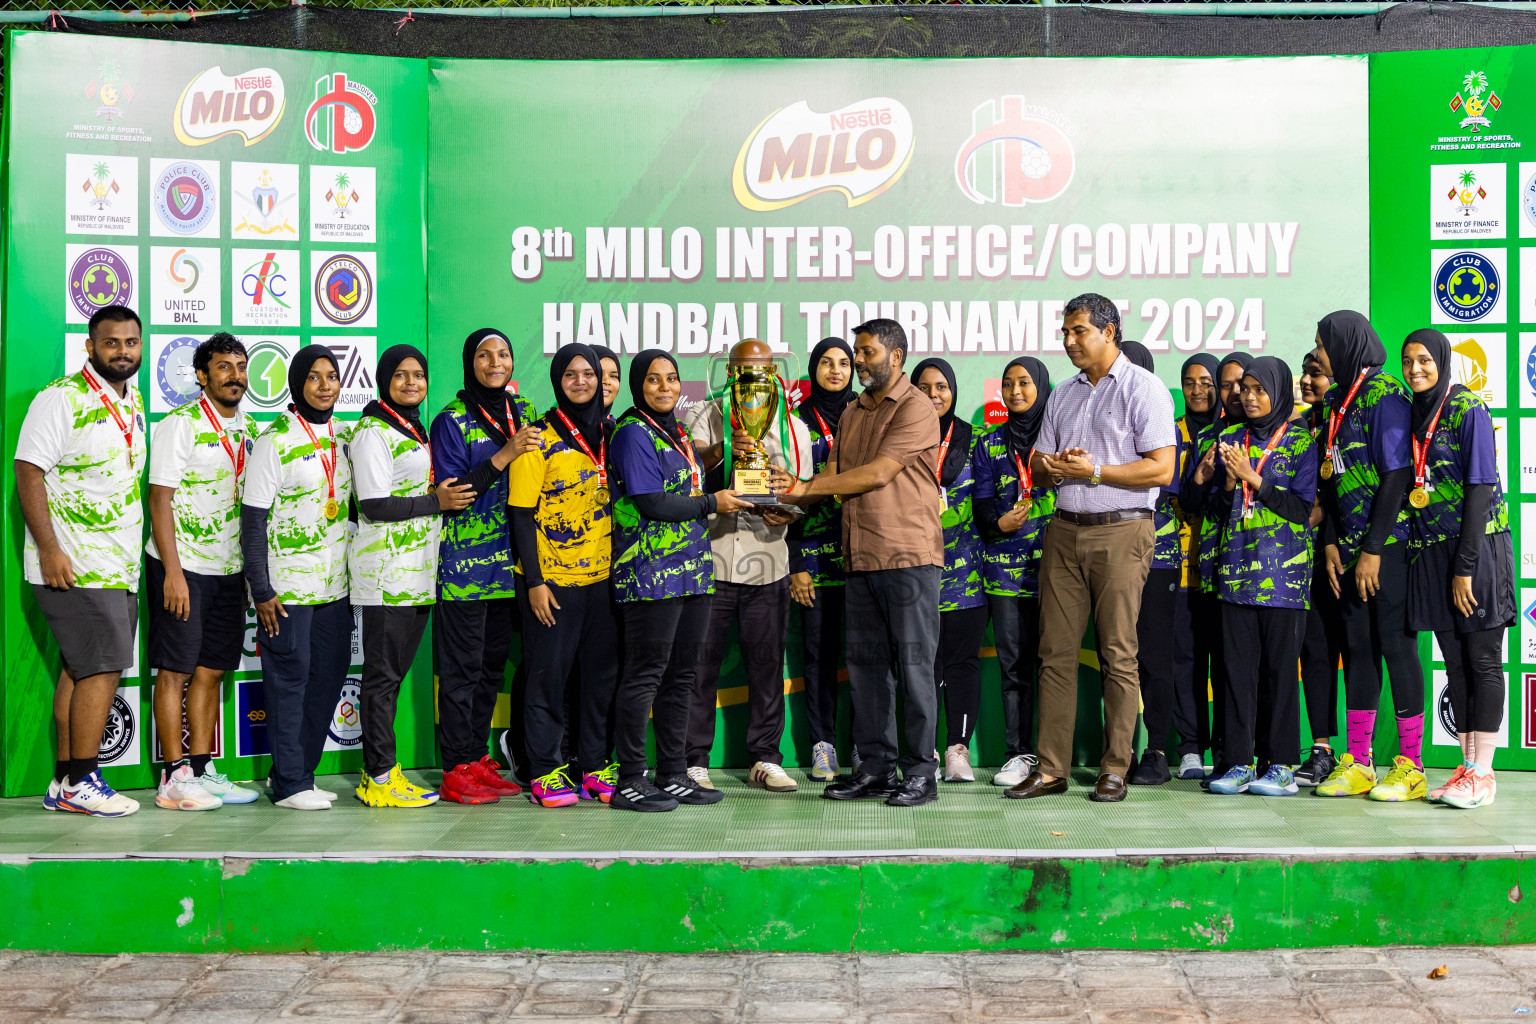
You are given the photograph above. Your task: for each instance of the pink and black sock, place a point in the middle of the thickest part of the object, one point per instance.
(1359, 727)
(1410, 738)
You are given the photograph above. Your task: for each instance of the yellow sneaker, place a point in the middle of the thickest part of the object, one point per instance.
(398, 791)
(1348, 778)
(1404, 782)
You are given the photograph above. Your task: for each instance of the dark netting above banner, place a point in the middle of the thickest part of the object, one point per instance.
(909, 31)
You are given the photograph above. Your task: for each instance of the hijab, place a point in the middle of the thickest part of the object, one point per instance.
(299, 366)
(960, 441)
(604, 352)
(587, 416)
(638, 368)
(1198, 421)
(1352, 345)
(1427, 403)
(488, 406)
(1024, 427)
(1243, 359)
(1276, 378)
(389, 362)
(830, 404)
(1138, 354)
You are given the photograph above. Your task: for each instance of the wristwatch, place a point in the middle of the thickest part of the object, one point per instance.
(1097, 469)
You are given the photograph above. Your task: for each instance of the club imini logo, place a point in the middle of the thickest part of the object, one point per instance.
(859, 150)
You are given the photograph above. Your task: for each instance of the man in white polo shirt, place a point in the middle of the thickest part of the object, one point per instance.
(78, 458)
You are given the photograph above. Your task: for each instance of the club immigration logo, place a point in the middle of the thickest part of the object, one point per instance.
(99, 276)
(794, 153)
(184, 198)
(265, 289)
(1466, 286)
(1023, 156)
(341, 119)
(264, 198)
(344, 289)
(267, 371)
(214, 105)
(175, 379)
(1476, 109)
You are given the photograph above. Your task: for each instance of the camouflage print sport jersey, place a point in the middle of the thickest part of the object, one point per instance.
(572, 529)
(392, 563)
(819, 533)
(475, 553)
(306, 552)
(1462, 454)
(960, 584)
(1206, 526)
(653, 560)
(1371, 440)
(1171, 532)
(186, 454)
(1010, 566)
(1263, 559)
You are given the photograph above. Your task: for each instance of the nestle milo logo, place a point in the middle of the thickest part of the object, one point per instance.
(796, 152)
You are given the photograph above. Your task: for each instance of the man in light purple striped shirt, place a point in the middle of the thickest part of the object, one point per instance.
(1110, 435)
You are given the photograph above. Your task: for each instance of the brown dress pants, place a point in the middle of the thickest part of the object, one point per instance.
(1098, 571)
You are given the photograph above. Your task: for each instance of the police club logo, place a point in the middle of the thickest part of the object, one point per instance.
(344, 288)
(1017, 153)
(175, 378)
(341, 119)
(121, 731)
(98, 276)
(1467, 286)
(183, 198)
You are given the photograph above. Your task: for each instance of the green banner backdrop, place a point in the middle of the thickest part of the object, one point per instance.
(293, 196)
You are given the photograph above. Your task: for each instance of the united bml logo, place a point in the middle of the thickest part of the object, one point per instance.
(341, 119)
(1023, 156)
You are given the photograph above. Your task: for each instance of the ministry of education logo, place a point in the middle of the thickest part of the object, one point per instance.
(99, 277)
(174, 375)
(1467, 286)
(343, 290)
(1476, 108)
(184, 198)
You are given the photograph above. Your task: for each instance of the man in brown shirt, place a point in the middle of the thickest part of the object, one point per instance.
(883, 470)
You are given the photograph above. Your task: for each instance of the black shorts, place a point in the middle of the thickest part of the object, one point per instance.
(210, 635)
(96, 630)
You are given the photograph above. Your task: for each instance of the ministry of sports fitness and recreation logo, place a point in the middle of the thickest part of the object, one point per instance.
(267, 370)
(1023, 155)
(174, 375)
(859, 150)
(122, 728)
(1475, 107)
(109, 91)
(343, 289)
(214, 105)
(99, 277)
(1466, 286)
(184, 198)
(341, 119)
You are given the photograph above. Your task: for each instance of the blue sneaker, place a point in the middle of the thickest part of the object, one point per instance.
(1277, 781)
(53, 795)
(1236, 780)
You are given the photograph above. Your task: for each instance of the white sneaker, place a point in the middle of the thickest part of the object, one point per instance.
(824, 765)
(325, 794)
(219, 785)
(305, 800)
(94, 797)
(700, 777)
(772, 777)
(52, 796)
(183, 791)
(1015, 770)
(1191, 767)
(957, 764)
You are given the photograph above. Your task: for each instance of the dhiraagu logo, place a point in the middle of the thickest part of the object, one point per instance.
(267, 365)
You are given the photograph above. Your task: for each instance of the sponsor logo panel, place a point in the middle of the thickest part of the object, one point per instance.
(343, 204)
(174, 380)
(1525, 550)
(97, 276)
(345, 731)
(266, 287)
(1530, 709)
(1466, 201)
(1478, 365)
(795, 152)
(341, 119)
(264, 201)
(75, 353)
(214, 105)
(184, 198)
(1467, 286)
(1445, 721)
(1527, 484)
(250, 719)
(356, 363)
(101, 195)
(1017, 153)
(1475, 102)
(267, 369)
(120, 740)
(1528, 626)
(1527, 200)
(185, 286)
(343, 292)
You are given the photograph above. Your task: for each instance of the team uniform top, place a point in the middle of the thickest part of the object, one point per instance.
(1010, 563)
(91, 478)
(476, 548)
(1461, 455)
(1264, 559)
(306, 552)
(653, 560)
(187, 454)
(816, 539)
(1206, 525)
(1172, 536)
(960, 583)
(574, 530)
(392, 563)
(1372, 439)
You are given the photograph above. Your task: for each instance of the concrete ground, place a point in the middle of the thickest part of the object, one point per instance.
(1353, 985)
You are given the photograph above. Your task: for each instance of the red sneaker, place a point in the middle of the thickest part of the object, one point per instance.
(462, 787)
(488, 774)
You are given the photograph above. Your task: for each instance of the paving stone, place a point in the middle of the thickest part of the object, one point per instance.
(581, 970)
(587, 989)
(1135, 1016)
(567, 1008)
(459, 999)
(235, 999)
(914, 980)
(30, 998)
(712, 998)
(915, 999)
(1262, 987)
(1114, 958)
(20, 1016)
(794, 991)
(161, 968)
(691, 979)
(212, 1017)
(1362, 1015)
(139, 988)
(1049, 988)
(796, 1010)
(440, 1016)
(474, 979)
(803, 969)
(225, 979)
(273, 962)
(112, 1009)
(671, 1015)
(1348, 976)
(1336, 955)
(25, 975)
(1115, 998)
(1245, 1009)
(1347, 997)
(1020, 1009)
(329, 989)
(372, 1008)
(1153, 977)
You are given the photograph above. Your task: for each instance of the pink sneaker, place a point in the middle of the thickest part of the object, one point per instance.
(1473, 789)
(1439, 791)
(553, 790)
(599, 785)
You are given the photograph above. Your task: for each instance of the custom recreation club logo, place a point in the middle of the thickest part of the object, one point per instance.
(184, 198)
(264, 296)
(267, 370)
(98, 276)
(1475, 108)
(175, 380)
(1022, 155)
(342, 117)
(264, 201)
(343, 289)
(794, 153)
(214, 105)
(1468, 286)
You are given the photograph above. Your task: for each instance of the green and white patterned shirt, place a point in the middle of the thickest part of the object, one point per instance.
(186, 454)
(91, 475)
(392, 563)
(306, 553)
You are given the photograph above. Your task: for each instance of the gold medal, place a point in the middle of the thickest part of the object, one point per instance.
(601, 494)
(331, 508)
(696, 492)
(1418, 497)
(1326, 469)
(432, 487)
(1025, 502)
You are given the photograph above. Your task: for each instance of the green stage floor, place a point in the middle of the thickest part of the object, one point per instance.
(970, 821)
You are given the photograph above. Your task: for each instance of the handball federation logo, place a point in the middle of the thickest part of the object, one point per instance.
(1023, 156)
(341, 119)
(343, 290)
(1467, 286)
(183, 198)
(100, 277)
(174, 373)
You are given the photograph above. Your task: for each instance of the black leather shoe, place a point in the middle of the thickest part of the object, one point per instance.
(915, 791)
(1109, 789)
(864, 787)
(1034, 785)
(1151, 770)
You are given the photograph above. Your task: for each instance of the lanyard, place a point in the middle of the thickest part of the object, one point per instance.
(223, 436)
(1247, 490)
(826, 431)
(329, 467)
(685, 449)
(117, 417)
(1421, 455)
(1026, 474)
(510, 431)
(420, 438)
(1335, 421)
(600, 460)
(938, 474)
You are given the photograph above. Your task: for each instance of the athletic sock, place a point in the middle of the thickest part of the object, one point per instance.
(79, 768)
(60, 771)
(1323, 743)
(200, 763)
(1483, 749)
(380, 779)
(1465, 739)
(171, 767)
(1410, 738)
(1359, 727)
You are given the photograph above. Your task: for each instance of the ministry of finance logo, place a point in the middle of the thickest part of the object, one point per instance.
(1467, 286)
(344, 288)
(184, 198)
(98, 276)
(341, 119)
(1022, 156)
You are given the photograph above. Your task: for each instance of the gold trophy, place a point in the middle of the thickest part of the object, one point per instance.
(755, 397)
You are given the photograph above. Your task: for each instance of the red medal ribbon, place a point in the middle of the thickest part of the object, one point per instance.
(420, 438)
(1247, 490)
(1421, 456)
(117, 417)
(1334, 422)
(230, 450)
(1026, 470)
(938, 474)
(510, 431)
(826, 431)
(685, 449)
(600, 459)
(329, 467)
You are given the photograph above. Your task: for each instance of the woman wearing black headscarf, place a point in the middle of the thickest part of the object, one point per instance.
(1322, 644)
(1367, 468)
(474, 439)
(1461, 571)
(293, 535)
(561, 526)
(663, 575)
(1012, 508)
(962, 603)
(816, 557)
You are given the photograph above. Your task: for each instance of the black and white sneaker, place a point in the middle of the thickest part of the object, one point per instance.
(1316, 768)
(640, 795)
(682, 789)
